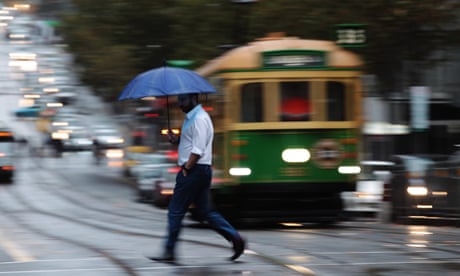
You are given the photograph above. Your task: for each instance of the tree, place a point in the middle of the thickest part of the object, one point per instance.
(116, 39)
(399, 30)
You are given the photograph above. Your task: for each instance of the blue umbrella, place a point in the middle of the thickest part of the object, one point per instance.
(165, 81)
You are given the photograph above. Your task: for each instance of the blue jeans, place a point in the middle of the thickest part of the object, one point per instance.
(194, 188)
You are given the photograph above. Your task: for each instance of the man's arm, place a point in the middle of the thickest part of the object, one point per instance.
(193, 158)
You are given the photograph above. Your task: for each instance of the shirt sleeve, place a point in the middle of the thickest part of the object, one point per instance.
(200, 136)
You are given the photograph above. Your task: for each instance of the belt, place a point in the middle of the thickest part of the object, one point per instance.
(203, 165)
(199, 165)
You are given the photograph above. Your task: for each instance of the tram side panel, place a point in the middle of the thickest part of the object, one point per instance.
(285, 175)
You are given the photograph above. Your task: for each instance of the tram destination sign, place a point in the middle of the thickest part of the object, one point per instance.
(293, 58)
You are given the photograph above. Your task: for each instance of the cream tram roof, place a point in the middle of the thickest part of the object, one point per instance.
(250, 56)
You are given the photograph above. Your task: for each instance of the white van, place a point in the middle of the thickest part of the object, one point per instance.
(367, 198)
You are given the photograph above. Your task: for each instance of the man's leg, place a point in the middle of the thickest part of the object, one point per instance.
(178, 206)
(215, 219)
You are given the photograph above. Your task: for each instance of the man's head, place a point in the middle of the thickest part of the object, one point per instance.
(187, 102)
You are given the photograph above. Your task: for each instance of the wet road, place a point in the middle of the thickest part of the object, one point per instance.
(65, 215)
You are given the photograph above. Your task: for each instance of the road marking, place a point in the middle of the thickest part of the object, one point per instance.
(14, 251)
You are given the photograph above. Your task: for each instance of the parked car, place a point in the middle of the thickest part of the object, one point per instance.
(367, 197)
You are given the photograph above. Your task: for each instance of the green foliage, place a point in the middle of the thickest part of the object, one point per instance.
(116, 39)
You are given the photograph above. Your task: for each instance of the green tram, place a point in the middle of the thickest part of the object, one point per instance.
(287, 119)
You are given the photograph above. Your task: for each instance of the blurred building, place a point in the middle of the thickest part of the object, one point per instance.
(389, 120)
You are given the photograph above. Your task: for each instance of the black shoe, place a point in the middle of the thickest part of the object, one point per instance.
(167, 257)
(239, 244)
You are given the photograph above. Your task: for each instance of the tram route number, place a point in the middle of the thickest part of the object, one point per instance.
(351, 35)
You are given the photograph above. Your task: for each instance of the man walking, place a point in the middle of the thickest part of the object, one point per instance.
(194, 180)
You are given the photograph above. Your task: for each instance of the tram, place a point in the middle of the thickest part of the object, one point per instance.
(287, 119)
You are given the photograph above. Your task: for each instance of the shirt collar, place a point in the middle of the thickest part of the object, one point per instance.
(193, 112)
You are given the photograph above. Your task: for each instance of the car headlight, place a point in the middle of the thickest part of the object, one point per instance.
(349, 169)
(417, 191)
(114, 153)
(116, 141)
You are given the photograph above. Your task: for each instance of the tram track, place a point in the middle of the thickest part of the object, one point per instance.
(380, 231)
(66, 190)
(423, 252)
(333, 259)
(112, 226)
(14, 216)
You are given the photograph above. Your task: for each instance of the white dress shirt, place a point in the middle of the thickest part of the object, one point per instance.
(196, 137)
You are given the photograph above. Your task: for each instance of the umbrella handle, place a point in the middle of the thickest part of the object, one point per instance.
(167, 113)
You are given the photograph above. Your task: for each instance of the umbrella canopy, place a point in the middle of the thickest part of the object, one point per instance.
(165, 81)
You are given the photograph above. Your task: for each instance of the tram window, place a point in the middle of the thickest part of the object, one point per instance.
(295, 104)
(251, 103)
(336, 101)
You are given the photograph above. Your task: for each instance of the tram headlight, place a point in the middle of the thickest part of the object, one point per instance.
(295, 155)
(240, 171)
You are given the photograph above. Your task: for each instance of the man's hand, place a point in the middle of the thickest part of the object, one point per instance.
(184, 170)
(173, 138)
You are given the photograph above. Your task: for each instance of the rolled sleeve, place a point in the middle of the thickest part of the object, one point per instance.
(200, 132)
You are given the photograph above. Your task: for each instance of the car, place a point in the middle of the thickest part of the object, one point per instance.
(164, 187)
(7, 153)
(367, 198)
(145, 161)
(108, 145)
(19, 32)
(78, 139)
(32, 111)
(147, 179)
(421, 188)
(132, 157)
(108, 137)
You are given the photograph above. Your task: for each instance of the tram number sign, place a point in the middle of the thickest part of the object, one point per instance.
(351, 35)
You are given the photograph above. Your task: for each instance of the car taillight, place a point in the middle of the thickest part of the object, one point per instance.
(174, 170)
(386, 192)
